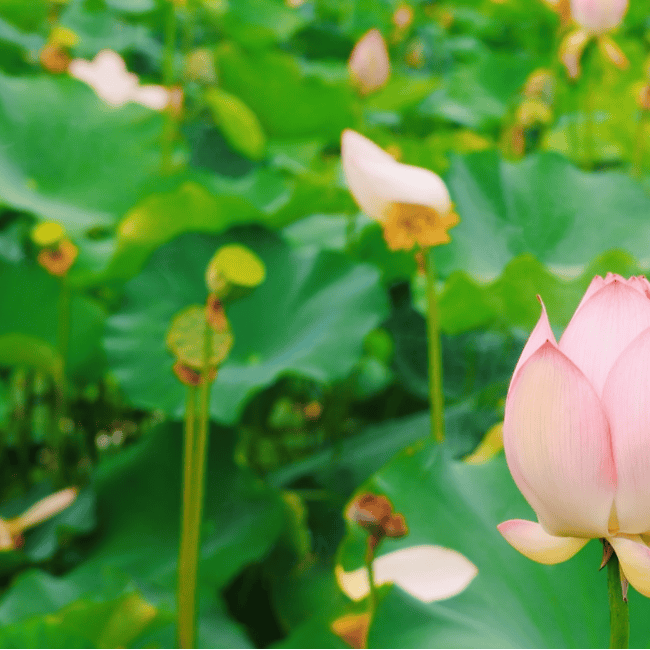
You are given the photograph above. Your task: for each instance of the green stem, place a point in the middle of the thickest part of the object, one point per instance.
(169, 128)
(619, 615)
(63, 341)
(185, 588)
(591, 72)
(193, 509)
(639, 141)
(370, 556)
(435, 358)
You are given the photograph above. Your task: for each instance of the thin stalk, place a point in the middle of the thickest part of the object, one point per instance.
(435, 357)
(185, 589)
(60, 388)
(591, 71)
(619, 615)
(190, 558)
(370, 556)
(639, 142)
(169, 54)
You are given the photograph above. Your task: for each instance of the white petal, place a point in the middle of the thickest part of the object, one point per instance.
(377, 181)
(426, 572)
(46, 508)
(155, 97)
(107, 76)
(603, 327)
(626, 399)
(531, 540)
(557, 445)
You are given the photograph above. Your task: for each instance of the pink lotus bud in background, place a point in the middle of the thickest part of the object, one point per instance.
(577, 430)
(412, 204)
(107, 75)
(369, 63)
(598, 16)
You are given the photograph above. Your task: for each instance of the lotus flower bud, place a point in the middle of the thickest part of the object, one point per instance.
(369, 63)
(577, 434)
(598, 16)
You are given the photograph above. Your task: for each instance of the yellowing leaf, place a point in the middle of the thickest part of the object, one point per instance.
(237, 122)
(490, 446)
(234, 265)
(47, 233)
(186, 339)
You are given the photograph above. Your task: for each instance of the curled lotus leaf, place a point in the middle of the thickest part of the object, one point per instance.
(234, 265)
(186, 339)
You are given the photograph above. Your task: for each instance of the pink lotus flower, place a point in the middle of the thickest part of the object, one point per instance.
(577, 430)
(598, 16)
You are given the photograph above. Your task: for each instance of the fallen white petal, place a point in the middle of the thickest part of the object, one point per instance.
(426, 572)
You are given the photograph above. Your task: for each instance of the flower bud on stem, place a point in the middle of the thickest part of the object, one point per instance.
(196, 442)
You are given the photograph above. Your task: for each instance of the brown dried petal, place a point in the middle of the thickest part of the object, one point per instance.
(191, 377)
(58, 260)
(369, 510)
(395, 526)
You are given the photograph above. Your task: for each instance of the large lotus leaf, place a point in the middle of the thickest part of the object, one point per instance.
(44, 611)
(513, 602)
(138, 509)
(29, 307)
(478, 95)
(309, 317)
(161, 217)
(253, 22)
(287, 102)
(98, 27)
(541, 205)
(68, 157)
(510, 299)
(41, 611)
(477, 367)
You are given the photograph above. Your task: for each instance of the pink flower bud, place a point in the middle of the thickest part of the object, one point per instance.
(369, 64)
(598, 16)
(577, 432)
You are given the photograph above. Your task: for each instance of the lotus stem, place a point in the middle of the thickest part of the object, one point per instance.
(186, 590)
(619, 615)
(433, 345)
(60, 383)
(193, 490)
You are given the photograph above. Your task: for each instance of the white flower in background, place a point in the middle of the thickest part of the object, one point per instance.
(411, 203)
(107, 75)
(369, 62)
(426, 572)
(595, 19)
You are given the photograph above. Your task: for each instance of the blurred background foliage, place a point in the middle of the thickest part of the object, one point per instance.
(325, 391)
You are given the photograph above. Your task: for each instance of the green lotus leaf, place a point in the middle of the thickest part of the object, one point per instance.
(309, 318)
(541, 205)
